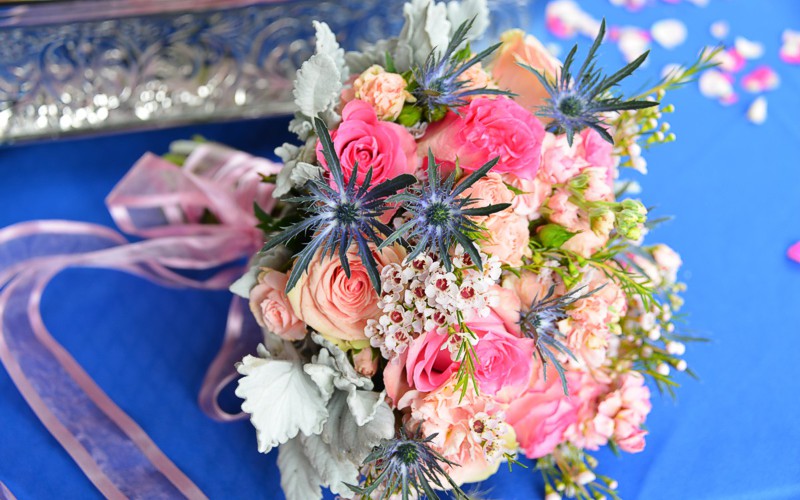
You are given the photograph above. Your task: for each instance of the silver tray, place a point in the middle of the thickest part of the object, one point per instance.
(69, 67)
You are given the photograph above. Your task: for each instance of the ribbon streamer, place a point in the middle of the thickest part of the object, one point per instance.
(5, 493)
(168, 206)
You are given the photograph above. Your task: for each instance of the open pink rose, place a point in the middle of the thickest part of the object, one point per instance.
(271, 306)
(361, 138)
(333, 304)
(504, 359)
(488, 129)
(521, 48)
(429, 364)
(542, 414)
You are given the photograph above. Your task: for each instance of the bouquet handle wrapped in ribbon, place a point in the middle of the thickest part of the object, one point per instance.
(169, 207)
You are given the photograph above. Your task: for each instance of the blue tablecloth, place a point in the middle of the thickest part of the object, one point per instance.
(735, 191)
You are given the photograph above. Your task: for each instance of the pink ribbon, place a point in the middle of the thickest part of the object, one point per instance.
(171, 208)
(794, 252)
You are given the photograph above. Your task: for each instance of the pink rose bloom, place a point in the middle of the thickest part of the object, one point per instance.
(429, 364)
(395, 378)
(504, 359)
(521, 48)
(598, 152)
(366, 362)
(488, 129)
(385, 92)
(542, 414)
(336, 306)
(361, 138)
(534, 192)
(271, 306)
(599, 188)
(595, 422)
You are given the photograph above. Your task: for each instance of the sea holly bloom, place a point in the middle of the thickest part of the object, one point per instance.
(340, 215)
(440, 217)
(408, 466)
(578, 102)
(440, 83)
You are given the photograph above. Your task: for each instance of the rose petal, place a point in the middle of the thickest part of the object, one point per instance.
(669, 33)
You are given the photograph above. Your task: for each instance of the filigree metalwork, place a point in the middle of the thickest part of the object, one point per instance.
(175, 67)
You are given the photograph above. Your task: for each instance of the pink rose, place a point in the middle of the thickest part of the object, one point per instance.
(385, 92)
(521, 48)
(361, 138)
(504, 360)
(271, 306)
(429, 364)
(336, 306)
(597, 151)
(565, 213)
(488, 129)
(560, 161)
(542, 414)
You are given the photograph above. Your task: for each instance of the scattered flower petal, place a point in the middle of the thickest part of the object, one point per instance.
(565, 19)
(761, 79)
(730, 60)
(790, 50)
(720, 30)
(794, 252)
(748, 48)
(669, 33)
(632, 41)
(757, 113)
(715, 84)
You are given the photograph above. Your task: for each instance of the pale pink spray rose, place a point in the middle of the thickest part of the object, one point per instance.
(521, 48)
(271, 306)
(668, 262)
(593, 427)
(506, 233)
(334, 305)
(533, 194)
(560, 161)
(387, 148)
(542, 413)
(488, 129)
(530, 287)
(385, 92)
(634, 407)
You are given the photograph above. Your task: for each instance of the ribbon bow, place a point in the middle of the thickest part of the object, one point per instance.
(196, 217)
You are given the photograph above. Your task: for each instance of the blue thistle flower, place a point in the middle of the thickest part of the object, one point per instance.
(540, 323)
(440, 218)
(436, 86)
(341, 215)
(405, 465)
(576, 103)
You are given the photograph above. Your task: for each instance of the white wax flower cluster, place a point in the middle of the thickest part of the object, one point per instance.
(421, 295)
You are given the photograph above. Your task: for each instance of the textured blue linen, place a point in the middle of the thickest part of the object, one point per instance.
(733, 187)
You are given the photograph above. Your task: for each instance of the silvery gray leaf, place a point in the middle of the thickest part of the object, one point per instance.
(459, 12)
(332, 356)
(301, 126)
(333, 471)
(426, 28)
(351, 440)
(281, 399)
(317, 86)
(299, 479)
(304, 172)
(327, 44)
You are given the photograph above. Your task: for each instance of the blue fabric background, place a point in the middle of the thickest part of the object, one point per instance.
(733, 187)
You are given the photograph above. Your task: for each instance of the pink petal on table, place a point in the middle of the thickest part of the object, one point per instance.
(565, 18)
(794, 252)
(730, 60)
(790, 50)
(761, 79)
(633, 42)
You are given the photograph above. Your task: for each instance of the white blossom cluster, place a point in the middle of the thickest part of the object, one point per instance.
(492, 432)
(421, 295)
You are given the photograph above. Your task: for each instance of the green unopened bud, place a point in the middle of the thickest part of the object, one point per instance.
(579, 182)
(437, 114)
(409, 116)
(634, 206)
(669, 108)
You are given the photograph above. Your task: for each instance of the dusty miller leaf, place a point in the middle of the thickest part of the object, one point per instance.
(299, 479)
(327, 44)
(317, 86)
(426, 28)
(465, 10)
(333, 472)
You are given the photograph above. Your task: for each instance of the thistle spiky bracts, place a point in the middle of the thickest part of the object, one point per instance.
(440, 218)
(340, 215)
(436, 84)
(578, 102)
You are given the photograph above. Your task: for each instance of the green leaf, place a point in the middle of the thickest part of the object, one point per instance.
(390, 67)
(553, 235)
(463, 54)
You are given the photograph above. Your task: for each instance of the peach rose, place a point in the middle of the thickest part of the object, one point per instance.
(334, 305)
(507, 237)
(271, 306)
(385, 92)
(476, 78)
(521, 48)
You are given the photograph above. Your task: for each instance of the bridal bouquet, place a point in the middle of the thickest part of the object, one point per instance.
(453, 274)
